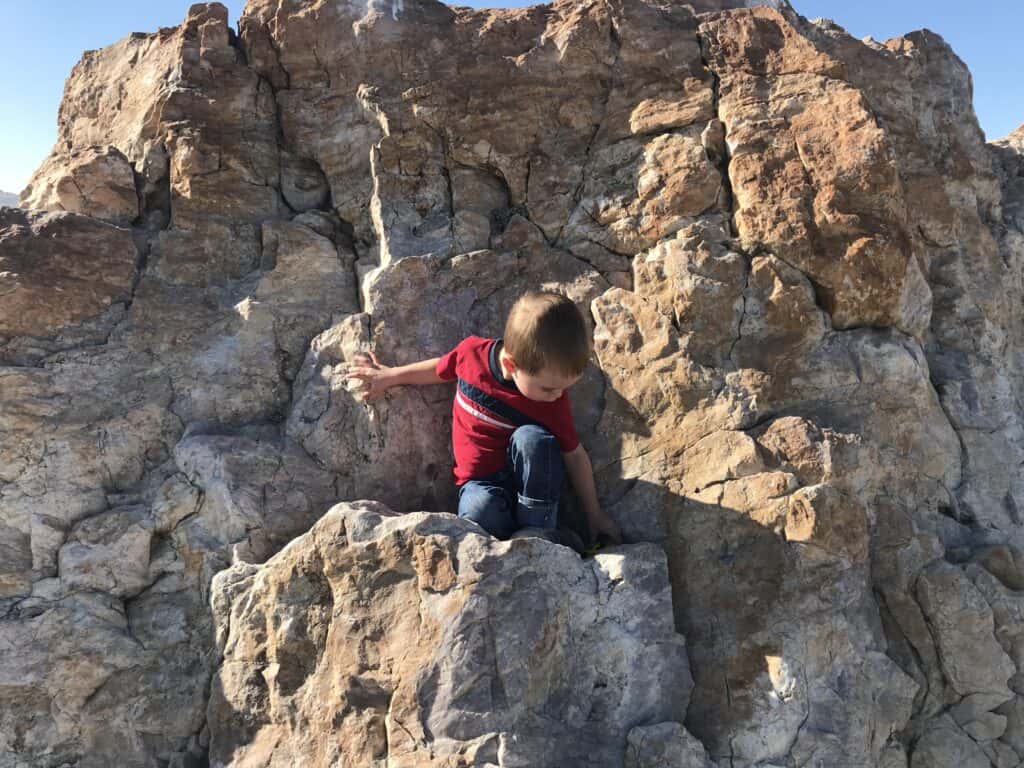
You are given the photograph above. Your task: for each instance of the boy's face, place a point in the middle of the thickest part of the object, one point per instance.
(545, 385)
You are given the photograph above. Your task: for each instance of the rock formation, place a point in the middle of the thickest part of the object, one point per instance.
(803, 267)
(509, 653)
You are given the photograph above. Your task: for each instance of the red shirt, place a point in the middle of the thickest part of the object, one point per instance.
(488, 407)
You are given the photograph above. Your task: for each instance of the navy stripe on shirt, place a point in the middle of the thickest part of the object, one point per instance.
(494, 405)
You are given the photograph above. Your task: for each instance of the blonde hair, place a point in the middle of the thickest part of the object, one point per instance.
(545, 330)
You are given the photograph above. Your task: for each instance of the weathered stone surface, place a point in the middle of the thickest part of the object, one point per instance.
(946, 746)
(961, 621)
(988, 726)
(667, 745)
(804, 269)
(148, 567)
(109, 553)
(694, 279)
(58, 271)
(511, 653)
(86, 644)
(823, 194)
(259, 491)
(95, 181)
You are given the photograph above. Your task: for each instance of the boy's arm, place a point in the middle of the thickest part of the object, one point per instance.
(581, 473)
(423, 372)
(377, 379)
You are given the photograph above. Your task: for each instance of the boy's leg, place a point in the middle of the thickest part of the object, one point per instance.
(537, 468)
(486, 502)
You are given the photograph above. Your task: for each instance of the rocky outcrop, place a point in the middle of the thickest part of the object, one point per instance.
(803, 268)
(480, 652)
(96, 181)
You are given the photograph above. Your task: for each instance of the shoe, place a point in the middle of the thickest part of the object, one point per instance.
(569, 538)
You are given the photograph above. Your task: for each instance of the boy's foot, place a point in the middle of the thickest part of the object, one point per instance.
(569, 538)
(540, 533)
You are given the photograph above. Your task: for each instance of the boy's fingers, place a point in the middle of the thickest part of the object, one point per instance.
(362, 372)
(366, 358)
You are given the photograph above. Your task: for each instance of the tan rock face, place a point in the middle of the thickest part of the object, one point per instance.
(803, 269)
(96, 181)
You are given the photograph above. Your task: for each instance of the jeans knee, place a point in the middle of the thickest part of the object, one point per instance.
(488, 509)
(536, 461)
(530, 438)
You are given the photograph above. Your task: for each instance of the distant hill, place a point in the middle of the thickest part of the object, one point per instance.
(8, 198)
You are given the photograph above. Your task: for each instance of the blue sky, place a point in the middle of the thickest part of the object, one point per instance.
(40, 40)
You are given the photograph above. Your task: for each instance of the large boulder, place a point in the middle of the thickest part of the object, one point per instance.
(414, 640)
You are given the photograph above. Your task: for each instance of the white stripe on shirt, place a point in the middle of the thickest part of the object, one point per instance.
(482, 416)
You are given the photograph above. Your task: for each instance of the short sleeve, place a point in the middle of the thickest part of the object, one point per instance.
(563, 428)
(447, 363)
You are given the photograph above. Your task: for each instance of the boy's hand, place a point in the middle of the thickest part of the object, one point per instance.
(366, 368)
(603, 524)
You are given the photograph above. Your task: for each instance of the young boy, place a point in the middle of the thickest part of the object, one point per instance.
(512, 430)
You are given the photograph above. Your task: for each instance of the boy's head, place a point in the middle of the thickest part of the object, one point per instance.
(546, 344)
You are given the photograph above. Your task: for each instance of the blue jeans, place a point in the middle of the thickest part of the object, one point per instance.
(524, 492)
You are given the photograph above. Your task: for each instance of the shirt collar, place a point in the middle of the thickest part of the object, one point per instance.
(495, 366)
